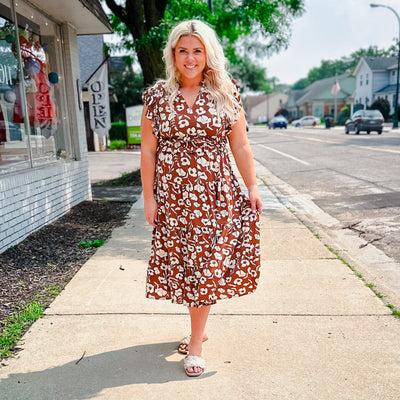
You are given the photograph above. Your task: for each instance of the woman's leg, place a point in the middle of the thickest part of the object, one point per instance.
(198, 321)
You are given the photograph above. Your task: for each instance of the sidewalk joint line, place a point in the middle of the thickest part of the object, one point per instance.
(219, 314)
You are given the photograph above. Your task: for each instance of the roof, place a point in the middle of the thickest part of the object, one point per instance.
(387, 89)
(90, 49)
(95, 8)
(394, 66)
(251, 101)
(321, 89)
(294, 95)
(380, 63)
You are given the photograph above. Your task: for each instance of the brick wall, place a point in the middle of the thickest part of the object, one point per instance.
(32, 199)
(35, 197)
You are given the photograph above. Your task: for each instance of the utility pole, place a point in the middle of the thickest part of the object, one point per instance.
(396, 100)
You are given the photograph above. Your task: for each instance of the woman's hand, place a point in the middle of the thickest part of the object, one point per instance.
(150, 211)
(256, 204)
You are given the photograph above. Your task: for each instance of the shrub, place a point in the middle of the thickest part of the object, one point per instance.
(117, 145)
(383, 106)
(117, 131)
(357, 107)
(282, 111)
(343, 116)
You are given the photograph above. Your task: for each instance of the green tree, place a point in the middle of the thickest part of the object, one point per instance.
(251, 76)
(301, 84)
(329, 68)
(144, 25)
(128, 88)
(143, 20)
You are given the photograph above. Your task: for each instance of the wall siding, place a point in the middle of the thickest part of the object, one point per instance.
(364, 90)
(38, 197)
(381, 79)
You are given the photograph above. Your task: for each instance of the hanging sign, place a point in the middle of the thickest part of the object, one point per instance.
(99, 104)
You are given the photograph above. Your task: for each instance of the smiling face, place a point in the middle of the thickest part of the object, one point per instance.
(190, 59)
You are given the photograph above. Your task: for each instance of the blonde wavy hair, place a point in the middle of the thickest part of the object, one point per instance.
(216, 79)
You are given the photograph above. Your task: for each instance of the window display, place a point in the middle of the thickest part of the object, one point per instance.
(32, 102)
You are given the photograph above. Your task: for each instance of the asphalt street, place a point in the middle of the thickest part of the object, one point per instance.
(355, 179)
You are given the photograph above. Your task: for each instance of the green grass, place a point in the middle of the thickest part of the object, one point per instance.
(395, 312)
(16, 324)
(126, 179)
(117, 145)
(93, 243)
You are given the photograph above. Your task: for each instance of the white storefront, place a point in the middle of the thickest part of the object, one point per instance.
(43, 151)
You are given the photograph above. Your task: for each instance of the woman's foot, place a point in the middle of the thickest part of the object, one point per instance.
(197, 366)
(184, 345)
(194, 365)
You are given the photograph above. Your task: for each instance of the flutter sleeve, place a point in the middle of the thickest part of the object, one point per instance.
(236, 94)
(151, 98)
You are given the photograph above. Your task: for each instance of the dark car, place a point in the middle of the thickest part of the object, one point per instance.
(365, 120)
(278, 122)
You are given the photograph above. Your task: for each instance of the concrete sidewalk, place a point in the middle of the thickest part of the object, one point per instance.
(312, 330)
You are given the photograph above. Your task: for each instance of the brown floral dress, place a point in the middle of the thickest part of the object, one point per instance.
(206, 245)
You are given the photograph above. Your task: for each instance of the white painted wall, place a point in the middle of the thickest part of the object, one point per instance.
(364, 90)
(274, 102)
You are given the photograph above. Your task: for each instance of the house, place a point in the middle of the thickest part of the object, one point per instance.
(291, 107)
(317, 99)
(262, 107)
(376, 78)
(43, 151)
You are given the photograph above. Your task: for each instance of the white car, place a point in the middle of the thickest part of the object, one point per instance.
(308, 120)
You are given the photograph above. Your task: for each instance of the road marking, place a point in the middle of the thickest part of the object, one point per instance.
(285, 155)
(376, 149)
(330, 142)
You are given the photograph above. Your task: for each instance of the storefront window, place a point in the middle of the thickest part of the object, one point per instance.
(33, 99)
(13, 138)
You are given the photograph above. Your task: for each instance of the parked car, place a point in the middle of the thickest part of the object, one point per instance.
(308, 120)
(278, 122)
(365, 120)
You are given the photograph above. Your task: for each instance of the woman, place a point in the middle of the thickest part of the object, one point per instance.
(206, 231)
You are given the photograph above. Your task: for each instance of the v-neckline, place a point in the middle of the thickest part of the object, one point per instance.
(190, 107)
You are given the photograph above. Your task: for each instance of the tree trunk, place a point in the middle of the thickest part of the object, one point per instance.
(152, 68)
(140, 16)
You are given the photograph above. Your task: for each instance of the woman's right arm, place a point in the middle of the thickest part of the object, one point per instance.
(148, 167)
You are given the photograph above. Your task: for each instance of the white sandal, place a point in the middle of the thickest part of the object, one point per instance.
(185, 342)
(193, 362)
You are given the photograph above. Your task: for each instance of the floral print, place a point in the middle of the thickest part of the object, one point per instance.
(206, 245)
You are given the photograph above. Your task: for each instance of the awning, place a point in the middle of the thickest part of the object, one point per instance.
(87, 16)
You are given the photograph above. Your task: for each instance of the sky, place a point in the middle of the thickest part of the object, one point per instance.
(331, 29)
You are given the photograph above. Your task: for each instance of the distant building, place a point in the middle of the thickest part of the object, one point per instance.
(317, 99)
(376, 78)
(263, 107)
(291, 106)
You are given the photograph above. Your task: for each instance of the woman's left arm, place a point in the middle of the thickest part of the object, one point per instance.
(244, 160)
